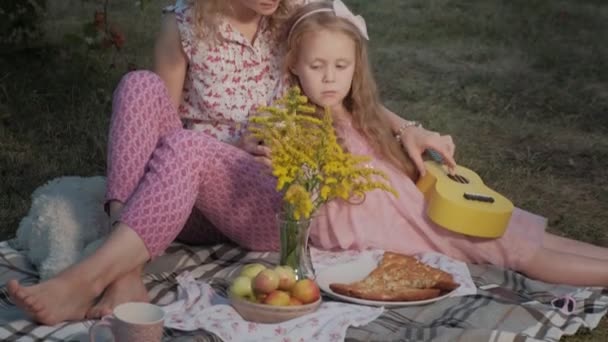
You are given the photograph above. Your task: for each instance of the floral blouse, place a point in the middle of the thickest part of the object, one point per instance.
(226, 82)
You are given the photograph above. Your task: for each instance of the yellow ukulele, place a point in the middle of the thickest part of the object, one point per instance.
(462, 202)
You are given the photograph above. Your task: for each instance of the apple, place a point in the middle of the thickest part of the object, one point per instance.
(241, 287)
(277, 298)
(266, 281)
(261, 297)
(306, 291)
(251, 270)
(287, 277)
(294, 302)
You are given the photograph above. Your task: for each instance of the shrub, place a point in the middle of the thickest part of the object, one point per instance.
(20, 22)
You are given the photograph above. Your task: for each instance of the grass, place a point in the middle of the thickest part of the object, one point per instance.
(522, 86)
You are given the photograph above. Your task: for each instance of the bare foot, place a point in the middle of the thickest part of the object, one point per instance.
(128, 288)
(53, 301)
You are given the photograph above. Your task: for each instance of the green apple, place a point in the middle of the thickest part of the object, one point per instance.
(251, 270)
(241, 287)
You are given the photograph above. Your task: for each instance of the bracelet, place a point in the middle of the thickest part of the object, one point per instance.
(404, 126)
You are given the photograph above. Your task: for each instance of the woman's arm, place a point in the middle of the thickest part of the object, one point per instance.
(416, 140)
(170, 61)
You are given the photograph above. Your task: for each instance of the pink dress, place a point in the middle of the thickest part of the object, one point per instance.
(386, 222)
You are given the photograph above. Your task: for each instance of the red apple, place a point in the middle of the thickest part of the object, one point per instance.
(266, 281)
(306, 291)
(277, 298)
(287, 277)
(294, 302)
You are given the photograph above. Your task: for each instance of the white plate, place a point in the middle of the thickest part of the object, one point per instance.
(355, 271)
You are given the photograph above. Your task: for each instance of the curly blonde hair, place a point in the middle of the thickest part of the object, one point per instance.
(362, 101)
(208, 14)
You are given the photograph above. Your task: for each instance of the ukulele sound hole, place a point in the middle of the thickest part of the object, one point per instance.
(458, 179)
(478, 197)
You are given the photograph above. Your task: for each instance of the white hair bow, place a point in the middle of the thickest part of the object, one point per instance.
(342, 11)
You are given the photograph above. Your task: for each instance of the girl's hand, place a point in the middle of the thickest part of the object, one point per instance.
(417, 140)
(256, 148)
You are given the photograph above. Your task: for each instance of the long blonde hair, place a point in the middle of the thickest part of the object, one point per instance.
(362, 101)
(208, 15)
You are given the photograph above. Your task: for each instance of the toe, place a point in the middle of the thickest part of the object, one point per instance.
(13, 286)
(36, 306)
(29, 301)
(15, 290)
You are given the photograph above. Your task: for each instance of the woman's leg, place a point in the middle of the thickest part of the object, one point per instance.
(142, 113)
(184, 165)
(231, 190)
(130, 287)
(242, 204)
(565, 268)
(235, 195)
(70, 294)
(571, 246)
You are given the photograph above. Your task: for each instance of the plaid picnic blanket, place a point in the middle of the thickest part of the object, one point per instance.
(481, 317)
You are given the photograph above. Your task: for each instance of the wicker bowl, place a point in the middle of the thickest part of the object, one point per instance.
(263, 313)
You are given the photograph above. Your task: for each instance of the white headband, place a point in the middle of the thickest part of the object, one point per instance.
(340, 10)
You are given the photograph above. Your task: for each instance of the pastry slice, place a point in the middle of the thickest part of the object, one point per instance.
(378, 293)
(399, 277)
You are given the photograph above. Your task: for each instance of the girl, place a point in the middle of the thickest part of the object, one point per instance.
(327, 57)
(215, 60)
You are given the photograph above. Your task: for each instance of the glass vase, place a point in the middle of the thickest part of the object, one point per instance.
(294, 249)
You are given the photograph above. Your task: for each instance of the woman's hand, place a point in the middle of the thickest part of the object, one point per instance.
(416, 140)
(256, 148)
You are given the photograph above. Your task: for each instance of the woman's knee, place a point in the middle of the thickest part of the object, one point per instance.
(140, 78)
(138, 87)
(195, 144)
(142, 99)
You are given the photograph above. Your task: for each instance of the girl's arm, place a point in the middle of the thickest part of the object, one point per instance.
(416, 140)
(395, 120)
(170, 61)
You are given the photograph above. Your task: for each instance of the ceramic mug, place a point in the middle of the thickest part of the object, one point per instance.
(133, 322)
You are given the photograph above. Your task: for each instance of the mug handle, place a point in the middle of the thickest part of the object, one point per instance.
(104, 322)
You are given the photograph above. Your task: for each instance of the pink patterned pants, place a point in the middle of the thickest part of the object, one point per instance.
(180, 182)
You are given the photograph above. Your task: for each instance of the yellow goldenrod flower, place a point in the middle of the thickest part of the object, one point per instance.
(310, 165)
